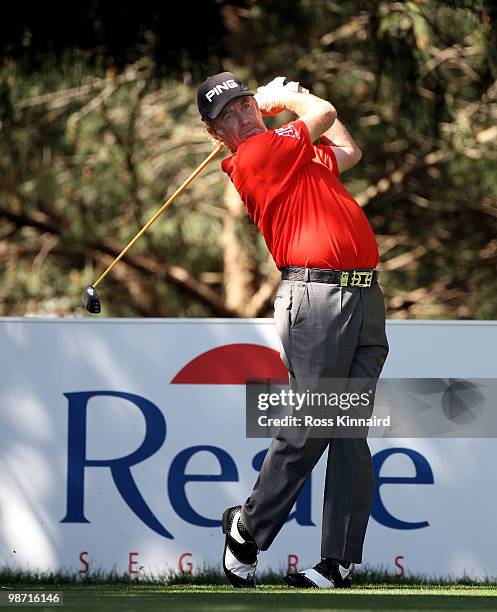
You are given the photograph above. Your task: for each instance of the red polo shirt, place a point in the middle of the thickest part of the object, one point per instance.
(292, 192)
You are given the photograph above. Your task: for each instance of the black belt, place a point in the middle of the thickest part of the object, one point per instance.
(343, 278)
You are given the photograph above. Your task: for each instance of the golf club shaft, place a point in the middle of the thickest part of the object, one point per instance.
(159, 212)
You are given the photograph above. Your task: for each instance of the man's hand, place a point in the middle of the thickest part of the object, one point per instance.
(282, 81)
(269, 97)
(269, 100)
(317, 114)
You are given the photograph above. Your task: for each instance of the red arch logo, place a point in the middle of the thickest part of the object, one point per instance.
(232, 364)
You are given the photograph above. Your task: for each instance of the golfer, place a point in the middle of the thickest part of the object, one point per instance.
(329, 309)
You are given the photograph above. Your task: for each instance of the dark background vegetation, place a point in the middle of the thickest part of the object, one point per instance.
(98, 125)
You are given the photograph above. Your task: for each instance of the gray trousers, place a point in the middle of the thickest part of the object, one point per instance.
(326, 331)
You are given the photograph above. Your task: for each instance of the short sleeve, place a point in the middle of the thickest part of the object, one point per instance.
(277, 155)
(326, 156)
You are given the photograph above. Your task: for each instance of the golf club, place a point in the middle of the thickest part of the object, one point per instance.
(90, 297)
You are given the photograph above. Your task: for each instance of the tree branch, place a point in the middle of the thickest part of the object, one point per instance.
(399, 175)
(177, 276)
(263, 297)
(405, 259)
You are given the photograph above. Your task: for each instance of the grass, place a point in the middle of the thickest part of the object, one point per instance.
(206, 590)
(152, 598)
(211, 576)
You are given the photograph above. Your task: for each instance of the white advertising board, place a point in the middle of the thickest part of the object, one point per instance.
(123, 440)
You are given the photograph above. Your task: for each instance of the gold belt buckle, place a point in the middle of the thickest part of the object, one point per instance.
(361, 278)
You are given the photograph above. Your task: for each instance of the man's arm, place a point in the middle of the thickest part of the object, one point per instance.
(346, 151)
(317, 114)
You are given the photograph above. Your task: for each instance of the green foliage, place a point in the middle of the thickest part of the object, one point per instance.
(89, 152)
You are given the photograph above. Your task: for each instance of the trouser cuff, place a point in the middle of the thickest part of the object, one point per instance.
(351, 556)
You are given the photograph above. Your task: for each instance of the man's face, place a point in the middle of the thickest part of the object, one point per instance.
(239, 120)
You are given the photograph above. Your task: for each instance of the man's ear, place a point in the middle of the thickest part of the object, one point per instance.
(215, 138)
(209, 126)
(212, 131)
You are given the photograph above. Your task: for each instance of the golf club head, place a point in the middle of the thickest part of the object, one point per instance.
(91, 301)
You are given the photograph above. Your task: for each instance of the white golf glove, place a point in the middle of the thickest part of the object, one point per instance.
(281, 81)
(268, 102)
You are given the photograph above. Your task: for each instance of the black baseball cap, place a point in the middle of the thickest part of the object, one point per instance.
(216, 91)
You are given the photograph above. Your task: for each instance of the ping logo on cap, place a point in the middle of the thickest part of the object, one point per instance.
(218, 89)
